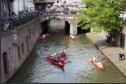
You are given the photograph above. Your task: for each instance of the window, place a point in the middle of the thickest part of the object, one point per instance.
(22, 48)
(57, 1)
(27, 44)
(39, 7)
(5, 63)
(18, 51)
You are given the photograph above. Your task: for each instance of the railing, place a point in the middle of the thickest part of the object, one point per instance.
(59, 12)
(16, 21)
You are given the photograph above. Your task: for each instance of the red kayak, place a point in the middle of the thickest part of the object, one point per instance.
(56, 63)
(63, 58)
(72, 38)
(44, 37)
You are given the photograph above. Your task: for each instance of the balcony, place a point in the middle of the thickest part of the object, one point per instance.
(43, 1)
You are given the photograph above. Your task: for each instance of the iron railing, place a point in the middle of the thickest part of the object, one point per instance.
(16, 21)
(59, 12)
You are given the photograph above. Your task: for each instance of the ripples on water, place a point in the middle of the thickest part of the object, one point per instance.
(78, 69)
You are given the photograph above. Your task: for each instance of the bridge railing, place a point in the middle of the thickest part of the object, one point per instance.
(58, 13)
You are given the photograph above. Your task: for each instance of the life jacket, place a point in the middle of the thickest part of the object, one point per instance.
(62, 54)
(56, 59)
(63, 51)
(96, 59)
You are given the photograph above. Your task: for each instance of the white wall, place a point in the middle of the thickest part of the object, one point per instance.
(29, 4)
(18, 6)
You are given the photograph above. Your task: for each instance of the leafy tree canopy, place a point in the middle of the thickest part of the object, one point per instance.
(101, 14)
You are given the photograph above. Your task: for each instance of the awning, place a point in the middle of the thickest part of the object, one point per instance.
(82, 5)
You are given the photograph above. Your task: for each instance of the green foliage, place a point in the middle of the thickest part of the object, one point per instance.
(101, 14)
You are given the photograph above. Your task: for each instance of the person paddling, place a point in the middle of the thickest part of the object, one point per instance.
(46, 34)
(43, 35)
(56, 59)
(62, 53)
(72, 35)
(97, 59)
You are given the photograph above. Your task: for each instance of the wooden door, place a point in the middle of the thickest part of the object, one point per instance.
(5, 63)
(40, 6)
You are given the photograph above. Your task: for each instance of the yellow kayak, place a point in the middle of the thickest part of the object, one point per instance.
(98, 64)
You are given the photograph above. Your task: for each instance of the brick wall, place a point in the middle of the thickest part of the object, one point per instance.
(27, 36)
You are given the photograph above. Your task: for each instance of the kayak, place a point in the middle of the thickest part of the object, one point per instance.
(72, 38)
(63, 58)
(56, 63)
(44, 37)
(98, 64)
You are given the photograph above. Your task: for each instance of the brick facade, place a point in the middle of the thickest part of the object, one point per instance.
(18, 50)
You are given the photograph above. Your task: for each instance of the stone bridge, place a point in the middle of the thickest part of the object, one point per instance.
(71, 19)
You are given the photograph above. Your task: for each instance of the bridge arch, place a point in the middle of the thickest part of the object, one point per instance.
(70, 20)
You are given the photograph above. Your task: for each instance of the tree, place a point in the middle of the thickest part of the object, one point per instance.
(101, 15)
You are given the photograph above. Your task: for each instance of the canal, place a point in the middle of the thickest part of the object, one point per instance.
(77, 69)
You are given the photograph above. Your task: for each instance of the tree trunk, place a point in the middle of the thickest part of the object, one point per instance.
(110, 39)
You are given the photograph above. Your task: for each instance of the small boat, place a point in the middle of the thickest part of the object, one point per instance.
(72, 38)
(98, 64)
(63, 58)
(56, 63)
(44, 37)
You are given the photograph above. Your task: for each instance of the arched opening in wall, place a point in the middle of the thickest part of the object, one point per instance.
(44, 26)
(67, 27)
(80, 30)
(55, 25)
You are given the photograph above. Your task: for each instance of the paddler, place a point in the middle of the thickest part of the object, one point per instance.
(46, 34)
(97, 59)
(56, 59)
(62, 54)
(43, 35)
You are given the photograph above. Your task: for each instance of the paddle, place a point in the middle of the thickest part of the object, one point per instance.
(49, 33)
(68, 37)
(92, 61)
(47, 57)
(68, 55)
(66, 47)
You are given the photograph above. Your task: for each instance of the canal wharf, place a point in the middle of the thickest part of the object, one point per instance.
(110, 52)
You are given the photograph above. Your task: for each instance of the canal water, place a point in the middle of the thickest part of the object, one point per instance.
(77, 69)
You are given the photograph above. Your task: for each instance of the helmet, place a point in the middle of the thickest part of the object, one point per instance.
(54, 53)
